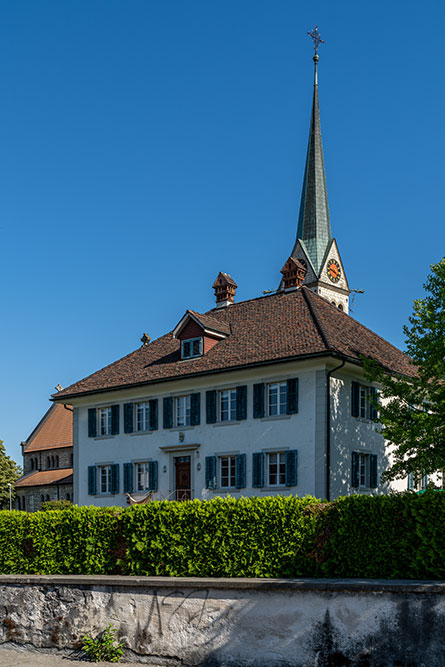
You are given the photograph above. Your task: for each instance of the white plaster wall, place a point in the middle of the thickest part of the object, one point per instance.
(350, 434)
(247, 436)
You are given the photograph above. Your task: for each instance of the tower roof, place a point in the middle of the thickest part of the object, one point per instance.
(314, 226)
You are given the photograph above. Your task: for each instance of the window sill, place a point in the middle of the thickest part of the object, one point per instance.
(141, 433)
(180, 428)
(283, 487)
(103, 437)
(274, 418)
(105, 495)
(227, 423)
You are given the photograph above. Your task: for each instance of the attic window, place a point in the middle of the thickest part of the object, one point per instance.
(191, 348)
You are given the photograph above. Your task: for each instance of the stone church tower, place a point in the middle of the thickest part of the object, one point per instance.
(315, 247)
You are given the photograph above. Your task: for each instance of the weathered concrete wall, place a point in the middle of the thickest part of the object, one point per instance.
(237, 622)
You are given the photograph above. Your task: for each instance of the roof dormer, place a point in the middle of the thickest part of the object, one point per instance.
(199, 333)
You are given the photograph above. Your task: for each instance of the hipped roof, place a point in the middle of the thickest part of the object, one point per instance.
(268, 329)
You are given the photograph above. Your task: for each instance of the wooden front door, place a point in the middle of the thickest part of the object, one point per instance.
(183, 481)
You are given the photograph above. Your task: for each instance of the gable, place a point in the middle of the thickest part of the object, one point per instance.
(300, 253)
(332, 254)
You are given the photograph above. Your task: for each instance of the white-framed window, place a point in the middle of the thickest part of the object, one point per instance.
(104, 419)
(105, 479)
(364, 470)
(142, 415)
(227, 405)
(191, 348)
(277, 398)
(364, 406)
(183, 410)
(276, 468)
(227, 471)
(142, 476)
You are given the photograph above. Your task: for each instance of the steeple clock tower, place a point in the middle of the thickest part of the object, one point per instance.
(315, 247)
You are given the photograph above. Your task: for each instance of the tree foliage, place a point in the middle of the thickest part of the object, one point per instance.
(412, 412)
(9, 474)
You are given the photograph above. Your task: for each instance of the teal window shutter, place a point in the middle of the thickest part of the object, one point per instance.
(291, 467)
(92, 480)
(128, 477)
(168, 412)
(258, 470)
(424, 482)
(211, 472)
(195, 409)
(153, 475)
(115, 478)
(373, 471)
(211, 406)
(240, 471)
(258, 400)
(292, 396)
(153, 414)
(114, 420)
(354, 470)
(410, 482)
(92, 423)
(355, 399)
(128, 417)
(373, 413)
(241, 403)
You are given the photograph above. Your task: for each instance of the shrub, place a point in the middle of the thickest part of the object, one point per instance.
(104, 648)
(396, 536)
(56, 505)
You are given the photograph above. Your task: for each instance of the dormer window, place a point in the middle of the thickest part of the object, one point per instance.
(191, 348)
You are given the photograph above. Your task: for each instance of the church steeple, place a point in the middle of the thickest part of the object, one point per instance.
(315, 248)
(314, 225)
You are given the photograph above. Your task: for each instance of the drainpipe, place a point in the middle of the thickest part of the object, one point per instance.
(328, 429)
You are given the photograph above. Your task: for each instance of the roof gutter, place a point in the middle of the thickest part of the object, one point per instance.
(317, 355)
(328, 428)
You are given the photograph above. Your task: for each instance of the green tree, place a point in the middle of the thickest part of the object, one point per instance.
(9, 474)
(412, 412)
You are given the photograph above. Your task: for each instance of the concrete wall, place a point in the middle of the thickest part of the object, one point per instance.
(232, 622)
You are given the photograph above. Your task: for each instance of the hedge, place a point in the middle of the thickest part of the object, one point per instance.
(397, 536)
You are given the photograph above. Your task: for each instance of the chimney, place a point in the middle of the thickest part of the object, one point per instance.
(224, 287)
(293, 274)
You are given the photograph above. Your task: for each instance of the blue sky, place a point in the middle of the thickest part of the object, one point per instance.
(146, 146)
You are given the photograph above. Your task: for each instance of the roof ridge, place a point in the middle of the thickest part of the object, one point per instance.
(324, 336)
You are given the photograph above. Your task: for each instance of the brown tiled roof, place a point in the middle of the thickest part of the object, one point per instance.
(267, 329)
(209, 322)
(55, 430)
(46, 478)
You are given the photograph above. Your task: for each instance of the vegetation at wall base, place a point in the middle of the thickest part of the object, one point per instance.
(394, 536)
(104, 647)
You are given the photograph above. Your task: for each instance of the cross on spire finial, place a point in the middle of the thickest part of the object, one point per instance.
(315, 35)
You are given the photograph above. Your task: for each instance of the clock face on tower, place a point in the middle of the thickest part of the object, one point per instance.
(334, 271)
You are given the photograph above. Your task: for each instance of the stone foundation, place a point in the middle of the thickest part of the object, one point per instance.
(232, 622)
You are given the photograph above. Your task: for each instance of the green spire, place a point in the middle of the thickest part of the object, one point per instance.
(314, 226)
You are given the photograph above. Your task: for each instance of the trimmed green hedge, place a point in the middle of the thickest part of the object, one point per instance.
(398, 536)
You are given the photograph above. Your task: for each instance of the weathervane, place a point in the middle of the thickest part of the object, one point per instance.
(315, 35)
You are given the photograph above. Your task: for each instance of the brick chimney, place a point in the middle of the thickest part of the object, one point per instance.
(293, 274)
(225, 288)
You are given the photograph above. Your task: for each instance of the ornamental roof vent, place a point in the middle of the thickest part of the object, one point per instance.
(225, 288)
(293, 274)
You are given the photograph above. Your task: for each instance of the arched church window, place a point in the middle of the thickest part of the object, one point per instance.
(32, 464)
(340, 307)
(42, 498)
